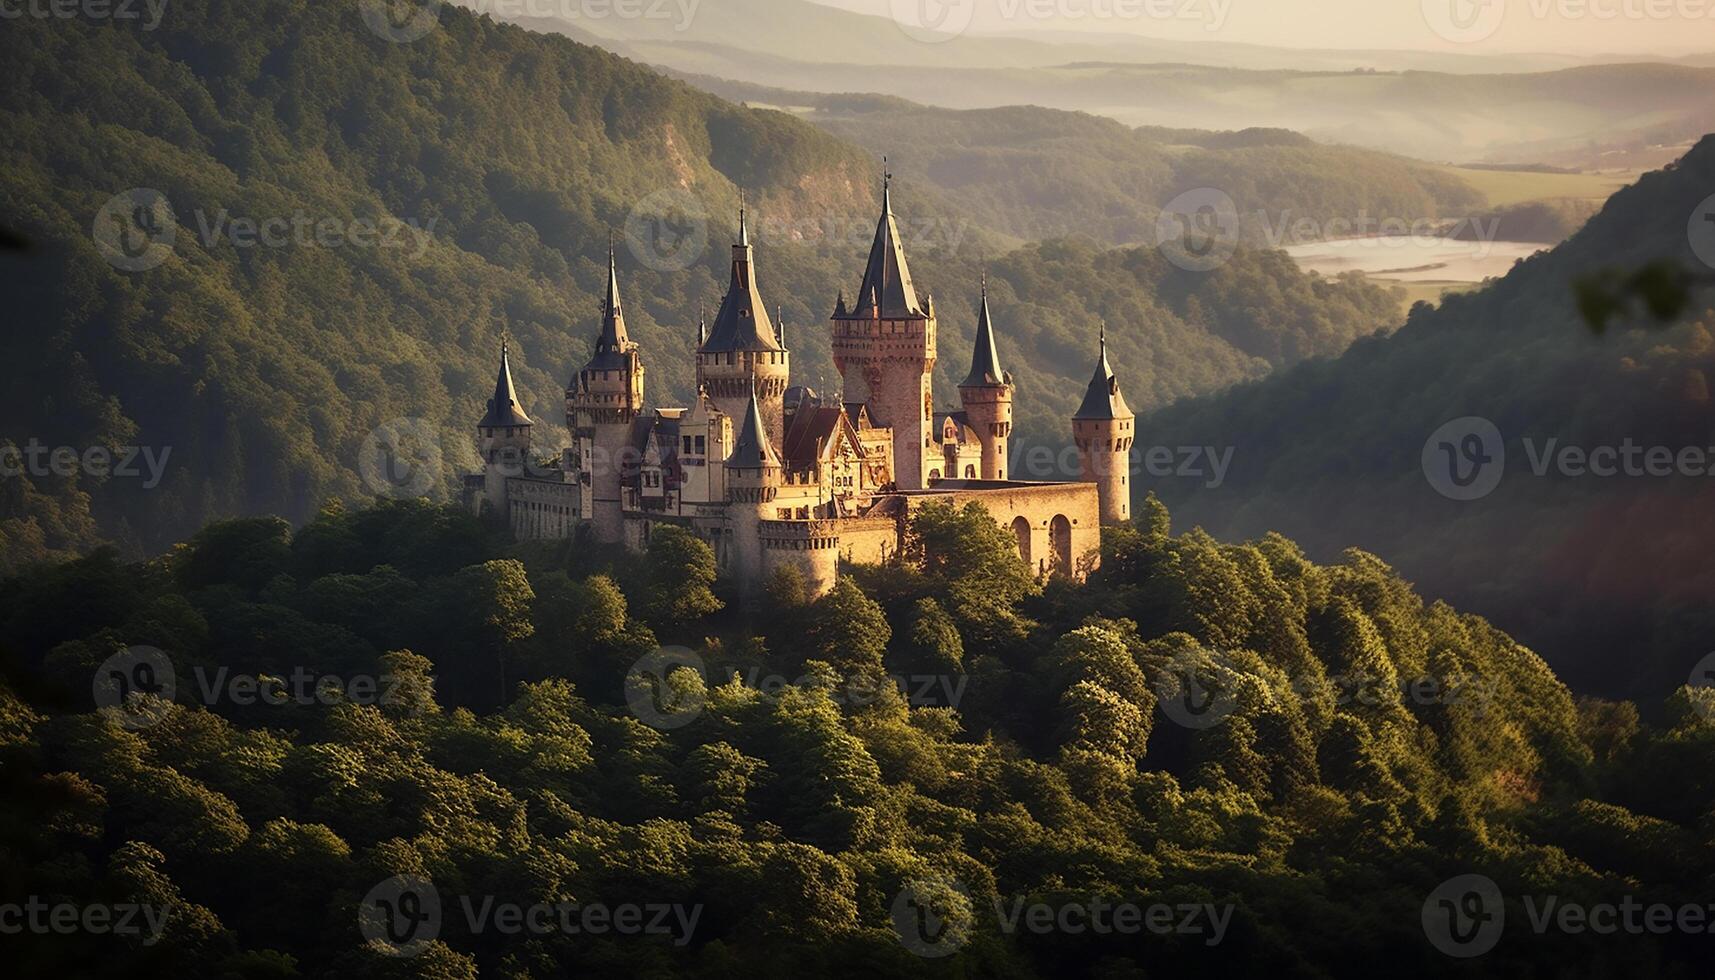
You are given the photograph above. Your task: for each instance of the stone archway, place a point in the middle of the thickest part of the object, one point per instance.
(1060, 538)
(970, 472)
(1021, 531)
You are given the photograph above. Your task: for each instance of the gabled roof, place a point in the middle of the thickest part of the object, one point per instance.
(742, 323)
(985, 360)
(753, 450)
(887, 292)
(1102, 400)
(654, 442)
(814, 434)
(504, 410)
(614, 342)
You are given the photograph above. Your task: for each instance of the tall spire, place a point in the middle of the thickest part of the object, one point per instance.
(742, 323)
(614, 342)
(985, 360)
(1102, 400)
(887, 291)
(753, 449)
(504, 410)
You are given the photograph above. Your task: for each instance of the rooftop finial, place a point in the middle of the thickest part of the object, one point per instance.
(886, 186)
(985, 284)
(743, 219)
(1102, 336)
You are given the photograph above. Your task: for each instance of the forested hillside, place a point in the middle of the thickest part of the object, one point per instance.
(504, 160)
(1037, 173)
(954, 739)
(1608, 575)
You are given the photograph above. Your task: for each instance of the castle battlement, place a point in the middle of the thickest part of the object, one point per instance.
(772, 477)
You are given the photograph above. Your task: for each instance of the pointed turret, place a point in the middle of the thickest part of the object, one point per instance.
(887, 292)
(985, 360)
(613, 343)
(504, 410)
(986, 394)
(742, 323)
(754, 450)
(1104, 429)
(1102, 400)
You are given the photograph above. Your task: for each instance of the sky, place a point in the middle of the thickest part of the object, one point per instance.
(1582, 27)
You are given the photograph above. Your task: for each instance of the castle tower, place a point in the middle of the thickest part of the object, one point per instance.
(986, 394)
(503, 439)
(601, 404)
(884, 348)
(742, 355)
(1104, 429)
(753, 480)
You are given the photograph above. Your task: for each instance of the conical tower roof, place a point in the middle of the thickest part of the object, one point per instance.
(614, 342)
(742, 323)
(887, 292)
(504, 409)
(753, 450)
(1102, 400)
(985, 360)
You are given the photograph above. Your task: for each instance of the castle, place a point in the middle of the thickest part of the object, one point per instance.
(768, 473)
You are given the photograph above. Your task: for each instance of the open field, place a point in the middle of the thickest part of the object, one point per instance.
(1508, 187)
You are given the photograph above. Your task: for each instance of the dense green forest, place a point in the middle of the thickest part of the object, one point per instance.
(1609, 576)
(1349, 748)
(264, 369)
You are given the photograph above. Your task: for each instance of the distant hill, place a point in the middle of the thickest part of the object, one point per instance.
(1570, 112)
(1609, 577)
(265, 371)
(1039, 173)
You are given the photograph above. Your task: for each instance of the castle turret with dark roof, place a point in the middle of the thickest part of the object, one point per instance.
(601, 404)
(742, 354)
(1104, 428)
(986, 394)
(503, 437)
(884, 348)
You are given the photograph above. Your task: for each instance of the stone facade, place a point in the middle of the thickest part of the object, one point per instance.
(771, 476)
